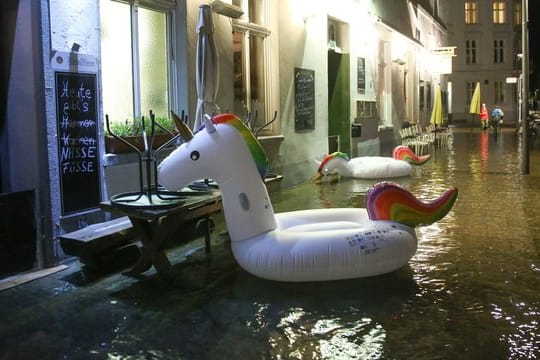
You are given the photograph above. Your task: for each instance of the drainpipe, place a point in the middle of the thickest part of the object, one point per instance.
(525, 87)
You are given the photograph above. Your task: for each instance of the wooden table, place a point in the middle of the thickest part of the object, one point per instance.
(153, 224)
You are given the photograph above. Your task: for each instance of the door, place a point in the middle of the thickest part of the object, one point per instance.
(339, 99)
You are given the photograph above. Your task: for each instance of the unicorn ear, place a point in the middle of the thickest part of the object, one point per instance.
(184, 131)
(208, 124)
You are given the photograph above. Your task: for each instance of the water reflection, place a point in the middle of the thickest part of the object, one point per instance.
(482, 256)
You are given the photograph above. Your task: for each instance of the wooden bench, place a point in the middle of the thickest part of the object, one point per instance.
(99, 243)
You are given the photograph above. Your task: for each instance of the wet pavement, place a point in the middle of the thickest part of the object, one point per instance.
(470, 292)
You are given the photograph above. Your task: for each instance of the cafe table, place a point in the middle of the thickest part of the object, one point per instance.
(155, 218)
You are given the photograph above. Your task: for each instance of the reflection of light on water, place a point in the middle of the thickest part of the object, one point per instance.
(350, 341)
(484, 151)
(434, 241)
(524, 343)
(332, 339)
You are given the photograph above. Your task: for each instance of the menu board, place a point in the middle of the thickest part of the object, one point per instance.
(304, 99)
(78, 151)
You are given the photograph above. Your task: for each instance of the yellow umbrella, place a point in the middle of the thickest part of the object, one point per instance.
(437, 111)
(475, 101)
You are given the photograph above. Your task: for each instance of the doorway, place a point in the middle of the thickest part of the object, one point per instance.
(339, 85)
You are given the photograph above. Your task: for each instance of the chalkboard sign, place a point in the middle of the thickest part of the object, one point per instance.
(78, 152)
(304, 99)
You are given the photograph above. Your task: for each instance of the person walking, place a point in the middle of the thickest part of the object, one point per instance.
(497, 116)
(484, 117)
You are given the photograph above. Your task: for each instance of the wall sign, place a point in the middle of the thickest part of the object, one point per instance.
(304, 99)
(361, 75)
(78, 151)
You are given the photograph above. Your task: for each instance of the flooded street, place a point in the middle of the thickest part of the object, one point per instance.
(470, 292)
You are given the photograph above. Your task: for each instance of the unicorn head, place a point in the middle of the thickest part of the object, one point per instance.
(208, 152)
(331, 164)
(224, 149)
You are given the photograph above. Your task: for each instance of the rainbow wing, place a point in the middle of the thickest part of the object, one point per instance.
(404, 153)
(389, 201)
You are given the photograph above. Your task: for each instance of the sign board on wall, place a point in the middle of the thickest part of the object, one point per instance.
(361, 75)
(76, 100)
(304, 99)
(78, 150)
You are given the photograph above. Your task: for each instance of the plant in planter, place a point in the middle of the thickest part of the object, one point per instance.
(132, 131)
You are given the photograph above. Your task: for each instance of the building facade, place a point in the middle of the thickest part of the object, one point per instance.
(487, 37)
(338, 75)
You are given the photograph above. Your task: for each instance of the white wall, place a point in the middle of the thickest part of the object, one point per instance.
(75, 21)
(303, 45)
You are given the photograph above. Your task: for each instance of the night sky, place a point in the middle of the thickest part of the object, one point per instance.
(534, 44)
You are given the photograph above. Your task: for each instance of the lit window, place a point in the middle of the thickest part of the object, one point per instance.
(517, 13)
(498, 12)
(498, 51)
(134, 61)
(252, 58)
(498, 91)
(470, 51)
(471, 15)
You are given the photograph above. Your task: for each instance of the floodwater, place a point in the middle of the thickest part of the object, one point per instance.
(470, 292)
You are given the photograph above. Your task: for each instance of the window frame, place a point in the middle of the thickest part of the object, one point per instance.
(165, 7)
(498, 51)
(469, 91)
(470, 51)
(267, 30)
(517, 13)
(499, 12)
(498, 91)
(471, 12)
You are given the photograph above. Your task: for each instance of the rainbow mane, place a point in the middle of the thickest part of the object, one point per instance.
(404, 153)
(255, 149)
(331, 156)
(389, 201)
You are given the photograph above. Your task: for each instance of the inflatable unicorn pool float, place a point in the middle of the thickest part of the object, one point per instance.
(304, 245)
(371, 167)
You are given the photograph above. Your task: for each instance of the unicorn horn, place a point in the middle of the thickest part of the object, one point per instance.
(184, 131)
(208, 124)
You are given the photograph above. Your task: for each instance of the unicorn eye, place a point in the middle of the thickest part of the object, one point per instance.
(194, 155)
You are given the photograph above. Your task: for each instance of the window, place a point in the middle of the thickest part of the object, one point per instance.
(421, 98)
(471, 15)
(498, 91)
(428, 96)
(366, 109)
(134, 60)
(498, 51)
(253, 65)
(470, 51)
(470, 86)
(517, 13)
(498, 12)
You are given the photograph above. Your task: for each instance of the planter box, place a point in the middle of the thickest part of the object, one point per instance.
(115, 146)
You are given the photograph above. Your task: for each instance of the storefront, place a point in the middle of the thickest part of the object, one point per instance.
(343, 75)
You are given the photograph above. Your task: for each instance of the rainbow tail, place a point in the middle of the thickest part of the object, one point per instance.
(389, 201)
(404, 153)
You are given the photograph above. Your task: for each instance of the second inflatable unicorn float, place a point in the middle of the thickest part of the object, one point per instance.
(304, 245)
(370, 167)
